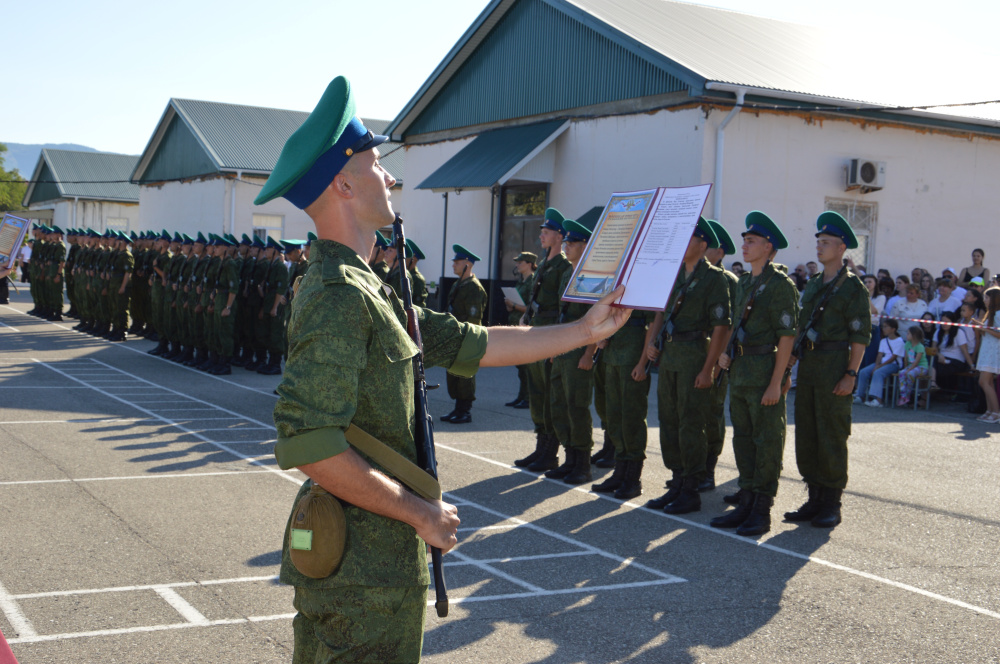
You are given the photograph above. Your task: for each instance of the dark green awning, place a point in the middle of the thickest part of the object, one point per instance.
(494, 157)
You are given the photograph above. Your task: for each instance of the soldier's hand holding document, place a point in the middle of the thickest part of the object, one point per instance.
(639, 241)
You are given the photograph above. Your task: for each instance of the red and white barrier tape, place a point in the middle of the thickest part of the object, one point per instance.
(942, 322)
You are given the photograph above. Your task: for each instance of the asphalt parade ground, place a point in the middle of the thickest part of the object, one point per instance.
(141, 514)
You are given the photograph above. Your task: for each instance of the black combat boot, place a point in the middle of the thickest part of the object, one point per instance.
(732, 499)
(632, 483)
(613, 481)
(759, 521)
(259, 360)
(549, 457)
(72, 313)
(453, 413)
(173, 350)
(223, 368)
(673, 490)
(564, 469)
(809, 509)
(606, 457)
(580, 473)
(152, 334)
(528, 460)
(688, 500)
(117, 334)
(273, 366)
(187, 355)
(737, 516)
(242, 357)
(464, 415)
(56, 315)
(203, 359)
(829, 511)
(161, 348)
(708, 484)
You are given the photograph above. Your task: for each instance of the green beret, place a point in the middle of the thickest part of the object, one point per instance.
(319, 148)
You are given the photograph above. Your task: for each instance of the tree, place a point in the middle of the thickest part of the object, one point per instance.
(12, 186)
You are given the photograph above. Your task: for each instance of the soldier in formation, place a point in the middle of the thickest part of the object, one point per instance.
(466, 302)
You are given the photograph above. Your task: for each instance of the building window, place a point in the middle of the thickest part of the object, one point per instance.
(863, 218)
(268, 225)
(522, 212)
(116, 224)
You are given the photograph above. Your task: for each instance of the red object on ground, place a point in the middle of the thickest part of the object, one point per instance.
(6, 655)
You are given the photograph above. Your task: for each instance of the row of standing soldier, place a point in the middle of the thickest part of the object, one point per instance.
(716, 336)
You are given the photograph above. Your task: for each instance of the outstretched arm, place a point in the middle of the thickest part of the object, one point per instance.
(522, 345)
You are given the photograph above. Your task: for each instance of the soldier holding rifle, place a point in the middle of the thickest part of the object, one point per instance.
(350, 368)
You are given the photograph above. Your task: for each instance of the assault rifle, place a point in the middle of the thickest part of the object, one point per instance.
(668, 323)
(737, 332)
(424, 434)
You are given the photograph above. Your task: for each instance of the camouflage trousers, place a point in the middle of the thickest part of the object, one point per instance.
(758, 438)
(359, 624)
(461, 388)
(715, 426)
(822, 427)
(570, 392)
(683, 413)
(224, 326)
(538, 396)
(625, 405)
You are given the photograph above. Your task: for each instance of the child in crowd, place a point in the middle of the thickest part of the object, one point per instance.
(915, 363)
(989, 356)
(887, 362)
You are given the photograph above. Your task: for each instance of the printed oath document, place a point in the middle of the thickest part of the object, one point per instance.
(12, 230)
(640, 241)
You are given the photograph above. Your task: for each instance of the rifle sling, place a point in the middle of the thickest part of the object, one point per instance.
(395, 463)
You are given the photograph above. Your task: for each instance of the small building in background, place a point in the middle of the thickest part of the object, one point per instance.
(74, 189)
(563, 102)
(207, 161)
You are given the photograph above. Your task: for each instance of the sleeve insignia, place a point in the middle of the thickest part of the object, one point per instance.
(855, 325)
(718, 311)
(786, 319)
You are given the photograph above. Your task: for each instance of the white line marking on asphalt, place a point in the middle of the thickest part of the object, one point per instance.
(495, 572)
(9, 327)
(221, 446)
(745, 540)
(154, 628)
(108, 421)
(476, 530)
(40, 387)
(132, 477)
(519, 559)
(22, 626)
(152, 586)
(181, 605)
(559, 591)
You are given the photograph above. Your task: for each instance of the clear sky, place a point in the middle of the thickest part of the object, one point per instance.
(100, 73)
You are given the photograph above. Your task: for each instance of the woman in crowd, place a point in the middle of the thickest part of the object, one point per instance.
(975, 300)
(884, 274)
(871, 379)
(989, 356)
(974, 270)
(902, 281)
(911, 307)
(876, 304)
(955, 346)
(928, 327)
(927, 289)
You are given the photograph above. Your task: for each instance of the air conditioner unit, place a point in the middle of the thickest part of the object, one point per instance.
(866, 175)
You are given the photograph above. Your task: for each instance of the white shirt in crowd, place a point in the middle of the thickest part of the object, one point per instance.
(937, 307)
(964, 337)
(879, 303)
(905, 309)
(892, 347)
(26, 253)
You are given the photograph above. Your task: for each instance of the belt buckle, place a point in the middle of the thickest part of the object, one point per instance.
(667, 337)
(739, 350)
(810, 344)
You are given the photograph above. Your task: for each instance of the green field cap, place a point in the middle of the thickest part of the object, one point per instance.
(575, 232)
(463, 254)
(553, 221)
(725, 239)
(760, 224)
(319, 149)
(832, 223)
(414, 249)
(705, 231)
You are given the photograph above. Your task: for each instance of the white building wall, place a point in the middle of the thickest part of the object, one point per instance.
(937, 205)
(91, 214)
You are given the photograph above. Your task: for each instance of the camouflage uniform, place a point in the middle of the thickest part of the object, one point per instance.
(684, 410)
(350, 361)
(715, 427)
(759, 431)
(467, 303)
(523, 287)
(823, 419)
(571, 388)
(547, 280)
(418, 287)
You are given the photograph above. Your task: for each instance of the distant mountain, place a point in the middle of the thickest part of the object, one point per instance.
(24, 156)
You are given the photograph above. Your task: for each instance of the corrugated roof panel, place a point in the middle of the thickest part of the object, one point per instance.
(46, 189)
(536, 60)
(90, 175)
(490, 156)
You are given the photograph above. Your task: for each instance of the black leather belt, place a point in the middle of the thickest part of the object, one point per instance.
(696, 335)
(766, 349)
(826, 345)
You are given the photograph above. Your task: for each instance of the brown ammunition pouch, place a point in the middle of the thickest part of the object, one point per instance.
(317, 536)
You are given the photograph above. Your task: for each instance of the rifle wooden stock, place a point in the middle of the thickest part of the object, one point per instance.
(424, 430)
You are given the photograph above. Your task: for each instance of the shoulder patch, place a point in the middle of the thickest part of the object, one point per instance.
(855, 325)
(786, 319)
(718, 311)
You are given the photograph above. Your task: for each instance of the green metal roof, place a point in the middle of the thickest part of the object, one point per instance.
(493, 157)
(67, 174)
(196, 138)
(590, 218)
(533, 57)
